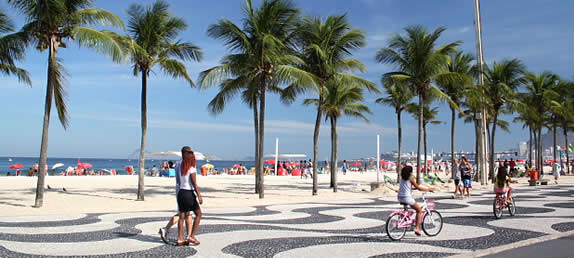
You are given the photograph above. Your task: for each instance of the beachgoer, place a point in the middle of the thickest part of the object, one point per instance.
(188, 195)
(36, 167)
(457, 178)
(154, 171)
(466, 171)
(502, 184)
(555, 171)
(344, 167)
(407, 184)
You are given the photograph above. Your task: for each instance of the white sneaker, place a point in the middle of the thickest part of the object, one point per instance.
(163, 234)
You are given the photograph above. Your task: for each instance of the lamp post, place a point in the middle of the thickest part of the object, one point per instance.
(481, 157)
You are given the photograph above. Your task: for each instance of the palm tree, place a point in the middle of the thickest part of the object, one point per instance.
(539, 95)
(263, 58)
(153, 40)
(501, 82)
(398, 96)
(325, 48)
(419, 64)
(11, 50)
(340, 99)
(564, 110)
(51, 24)
(462, 64)
(429, 117)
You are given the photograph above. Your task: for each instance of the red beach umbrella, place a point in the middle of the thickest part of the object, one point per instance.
(16, 166)
(270, 161)
(87, 165)
(235, 166)
(357, 164)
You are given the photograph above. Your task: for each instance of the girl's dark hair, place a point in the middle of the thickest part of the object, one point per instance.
(464, 158)
(406, 172)
(501, 176)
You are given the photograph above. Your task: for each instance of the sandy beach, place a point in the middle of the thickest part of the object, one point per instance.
(99, 194)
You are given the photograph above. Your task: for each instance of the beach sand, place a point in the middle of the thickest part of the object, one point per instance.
(105, 194)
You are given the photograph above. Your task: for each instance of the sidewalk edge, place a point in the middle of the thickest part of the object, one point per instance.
(502, 248)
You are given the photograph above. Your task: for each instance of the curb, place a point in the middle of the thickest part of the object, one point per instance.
(502, 248)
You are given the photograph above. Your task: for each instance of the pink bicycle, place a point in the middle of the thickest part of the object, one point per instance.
(401, 220)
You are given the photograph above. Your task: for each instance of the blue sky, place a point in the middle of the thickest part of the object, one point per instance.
(104, 97)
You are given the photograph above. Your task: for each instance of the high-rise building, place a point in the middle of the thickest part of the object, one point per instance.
(522, 149)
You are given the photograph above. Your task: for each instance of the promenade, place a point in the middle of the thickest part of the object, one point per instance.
(337, 228)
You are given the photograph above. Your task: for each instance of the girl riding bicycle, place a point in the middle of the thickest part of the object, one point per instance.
(502, 184)
(407, 184)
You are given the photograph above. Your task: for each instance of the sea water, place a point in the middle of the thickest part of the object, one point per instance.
(98, 164)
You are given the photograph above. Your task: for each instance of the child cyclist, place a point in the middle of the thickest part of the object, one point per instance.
(407, 184)
(502, 184)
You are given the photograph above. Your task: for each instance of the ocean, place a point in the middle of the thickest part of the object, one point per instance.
(118, 164)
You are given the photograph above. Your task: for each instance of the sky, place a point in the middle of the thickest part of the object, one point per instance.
(103, 97)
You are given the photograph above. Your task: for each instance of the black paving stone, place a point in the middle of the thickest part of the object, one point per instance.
(563, 227)
(413, 254)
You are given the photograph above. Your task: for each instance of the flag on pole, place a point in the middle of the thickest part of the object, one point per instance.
(570, 148)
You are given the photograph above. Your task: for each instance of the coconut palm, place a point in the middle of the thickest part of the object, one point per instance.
(11, 50)
(340, 99)
(501, 81)
(397, 95)
(419, 64)
(51, 24)
(563, 108)
(462, 64)
(262, 57)
(326, 46)
(429, 117)
(153, 40)
(539, 95)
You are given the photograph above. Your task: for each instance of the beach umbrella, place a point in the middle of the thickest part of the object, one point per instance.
(235, 166)
(57, 165)
(87, 165)
(16, 166)
(198, 155)
(357, 164)
(270, 161)
(207, 166)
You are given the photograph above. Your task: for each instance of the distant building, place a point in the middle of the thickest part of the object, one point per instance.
(522, 149)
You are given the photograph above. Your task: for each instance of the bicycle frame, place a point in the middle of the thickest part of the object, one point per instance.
(501, 197)
(407, 218)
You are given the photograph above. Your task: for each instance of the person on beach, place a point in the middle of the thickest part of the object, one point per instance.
(466, 175)
(457, 178)
(188, 195)
(407, 184)
(344, 167)
(502, 184)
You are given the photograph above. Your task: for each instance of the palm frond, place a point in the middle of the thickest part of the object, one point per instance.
(175, 69)
(97, 16)
(102, 41)
(22, 75)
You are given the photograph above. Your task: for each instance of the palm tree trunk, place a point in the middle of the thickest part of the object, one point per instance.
(476, 145)
(261, 139)
(46, 126)
(493, 133)
(540, 164)
(400, 132)
(316, 143)
(141, 163)
(256, 127)
(554, 141)
(566, 144)
(334, 149)
(425, 148)
(420, 136)
(530, 148)
(452, 139)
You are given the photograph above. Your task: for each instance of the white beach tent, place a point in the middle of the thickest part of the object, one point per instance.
(198, 155)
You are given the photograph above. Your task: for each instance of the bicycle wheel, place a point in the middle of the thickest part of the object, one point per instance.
(394, 232)
(496, 208)
(512, 207)
(432, 223)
